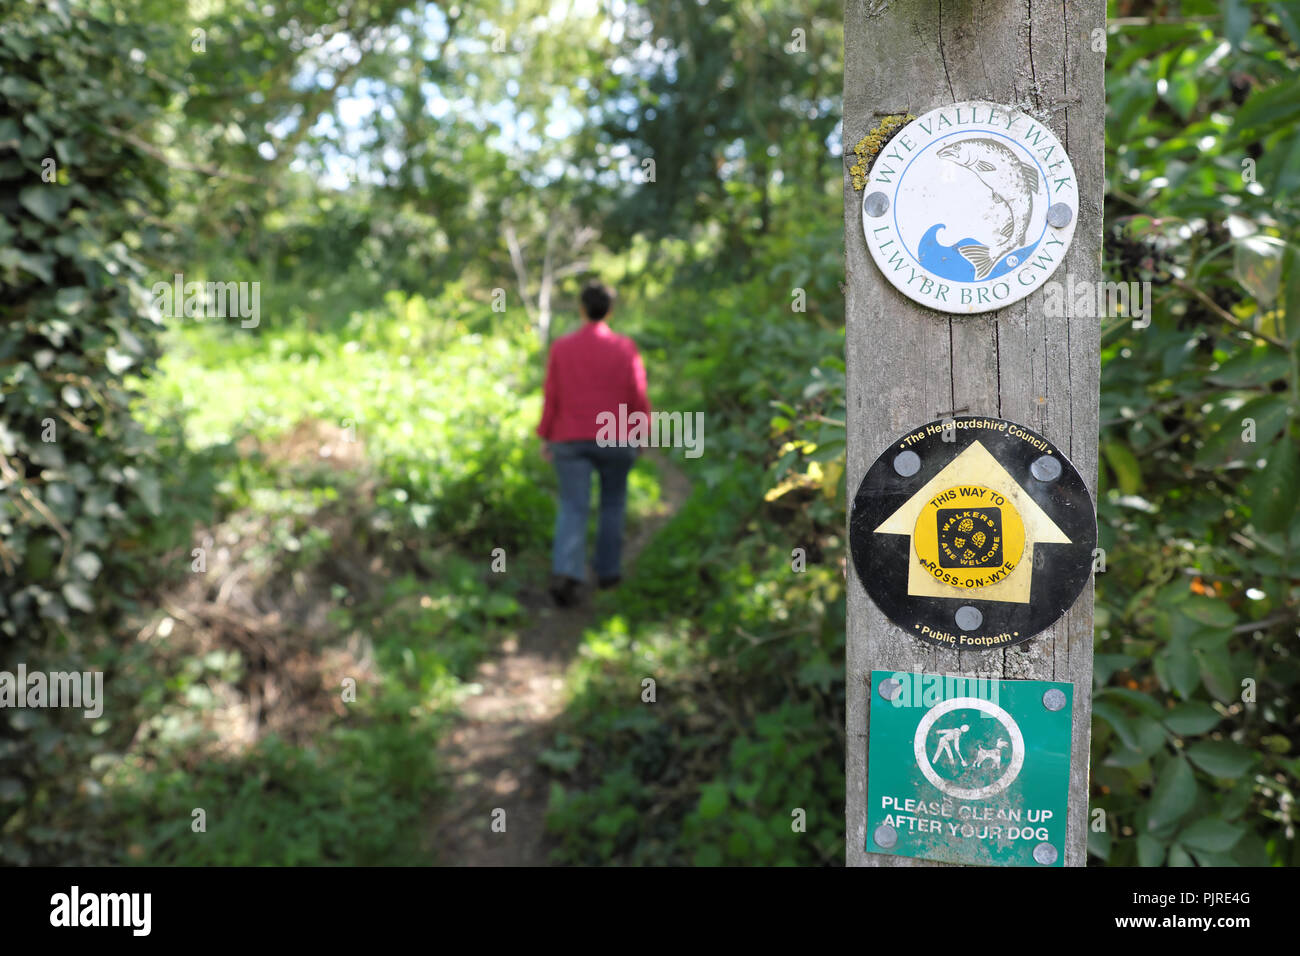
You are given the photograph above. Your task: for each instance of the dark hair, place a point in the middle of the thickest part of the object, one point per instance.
(597, 299)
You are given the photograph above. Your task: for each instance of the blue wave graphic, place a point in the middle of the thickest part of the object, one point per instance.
(947, 262)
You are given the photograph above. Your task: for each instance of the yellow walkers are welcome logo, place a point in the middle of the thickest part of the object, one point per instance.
(969, 536)
(970, 539)
(973, 529)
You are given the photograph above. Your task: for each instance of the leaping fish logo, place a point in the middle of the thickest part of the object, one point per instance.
(1013, 184)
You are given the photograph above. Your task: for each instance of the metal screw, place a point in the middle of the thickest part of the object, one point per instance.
(886, 836)
(876, 204)
(1045, 854)
(1054, 699)
(907, 463)
(1046, 468)
(968, 618)
(1059, 215)
(890, 689)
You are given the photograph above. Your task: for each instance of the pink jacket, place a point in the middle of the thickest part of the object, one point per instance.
(589, 371)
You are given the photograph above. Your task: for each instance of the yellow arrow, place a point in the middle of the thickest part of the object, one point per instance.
(975, 466)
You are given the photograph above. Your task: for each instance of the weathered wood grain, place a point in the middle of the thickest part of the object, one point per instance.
(908, 365)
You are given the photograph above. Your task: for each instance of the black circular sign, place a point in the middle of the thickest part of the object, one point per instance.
(973, 533)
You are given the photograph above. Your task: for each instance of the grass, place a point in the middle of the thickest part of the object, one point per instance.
(375, 560)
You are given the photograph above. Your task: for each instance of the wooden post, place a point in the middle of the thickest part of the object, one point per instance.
(908, 365)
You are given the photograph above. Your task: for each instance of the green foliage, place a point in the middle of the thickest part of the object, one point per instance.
(371, 534)
(80, 486)
(468, 178)
(1196, 612)
(739, 820)
(75, 467)
(396, 379)
(744, 76)
(356, 800)
(746, 727)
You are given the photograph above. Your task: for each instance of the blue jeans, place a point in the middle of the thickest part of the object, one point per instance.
(574, 461)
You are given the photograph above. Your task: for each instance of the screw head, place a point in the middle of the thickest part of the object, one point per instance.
(907, 463)
(1045, 854)
(887, 837)
(1046, 468)
(876, 204)
(890, 688)
(1054, 699)
(968, 618)
(1059, 215)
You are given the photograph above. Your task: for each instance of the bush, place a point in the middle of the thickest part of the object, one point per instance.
(79, 480)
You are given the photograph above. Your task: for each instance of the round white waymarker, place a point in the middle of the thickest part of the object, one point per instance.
(970, 208)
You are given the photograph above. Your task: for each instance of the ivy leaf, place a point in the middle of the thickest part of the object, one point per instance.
(117, 362)
(149, 489)
(41, 266)
(45, 202)
(88, 565)
(78, 596)
(71, 301)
